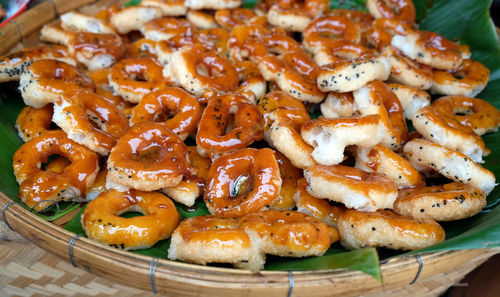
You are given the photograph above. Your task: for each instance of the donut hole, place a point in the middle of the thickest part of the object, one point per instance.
(96, 121)
(150, 154)
(132, 211)
(241, 186)
(463, 111)
(164, 115)
(138, 76)
(459, 75)
(55, 163)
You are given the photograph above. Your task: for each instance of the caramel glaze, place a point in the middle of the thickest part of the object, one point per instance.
(212, 136)
(403, 10)
(149, 151)
(101, 219)
(344, 50)
(393, 115)
(230, 18)
(282, 101)
(59, 77)
(318, 208)
(309, 8)
(103, 89)
(32, 122)
(37, 185)
(301, 72)
(225, 195)
(125, 74)
(451, 193)
(407, 227)
(212, 230)
(92, 44)
(363, 19)
(470, 74)
(142, 48)
(95, 117)
(357, 180)
(479, 114)
(296, 231)
(289, 176)
(382, 30)
(441, 47)
(174, 101)
(169, 26)
(372, 119)
(220, 72)
(214, 39)
(403, 166)
(326, 28)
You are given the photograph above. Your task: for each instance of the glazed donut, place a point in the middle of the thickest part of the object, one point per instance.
(411, 99)
(212, 4)
(243, 182)
(168, 7)
(162, 104)
(32, 122)
(363, 19)
(103, 89)
(406, 71)
(214, 39)
(338, 105)
(329, 137)
(382, 160)
(210, 239)
(166, 48)
(296, 15)
(77, 22)
(90, 120)
(230, 18)
(288, 233)
(252, 84)
(192, 186)
(385, 228)
(166, 28)
(377, 98)
(381, 31)
(147, 158)
(197, 69)
(347, 76)
(449, 202)
(478, 114)
(46, 81)
(431, 49)
(403, 10)
(449, 133)
(13, 65)
(132, 18)
(335, 51)
(37, 185)
(202, 19)
(355, 188)
(102, 222)
(425, 155)
(135, 77)
(254, 42)
(142, 48)
(321, 209)
(467, 80)
(289, 176)
(295, 73)
(95, 51)
(212, 138)
(327, 28)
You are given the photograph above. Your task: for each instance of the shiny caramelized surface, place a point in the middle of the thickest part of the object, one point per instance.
(35, 53)
(397, 9)
(453, 192)
(328, 28)
(440, 47)
(243, 182)
(310, 8)
(213, 231)
(297, 231)
(468, 75)
(32, 122)
(289, 176)
(230, 18)
(372, 119)
(37, 184)
(382, 30)
(101, 218)
(293, 108)
(91, 44)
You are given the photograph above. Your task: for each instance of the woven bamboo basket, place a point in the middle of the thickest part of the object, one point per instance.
(53, 261)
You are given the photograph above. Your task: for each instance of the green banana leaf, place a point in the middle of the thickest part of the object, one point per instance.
(461, 20)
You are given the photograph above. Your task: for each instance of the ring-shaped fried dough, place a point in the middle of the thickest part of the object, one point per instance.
(157, 106)
(381, 31)
(230, 18)
(77, 22)
(147, 158)
(355, 188)
(133, 78)
(467, 80)
(32, 122)
(403, 10)
(47, 81)
(102, 222)
(382, 160)
(288, 233)
(335, 51)
(475, 113)
(449, 133)
(407, 71)
(213, 137)
(411, 99)
(425, 155)
(296, 15)
(166, 28)
(448, 202)
(202, 19)
(90, 120)
(212, 4)
(38, 185)
(324, 29)
(168, 7)
(243, 182)
(126, 19)
(210, 239)
(385, 228)
(289, 176)
(329, 137)
(338, 105)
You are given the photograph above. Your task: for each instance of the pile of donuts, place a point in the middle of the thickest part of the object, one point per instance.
(112, 100)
